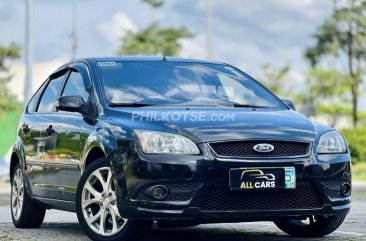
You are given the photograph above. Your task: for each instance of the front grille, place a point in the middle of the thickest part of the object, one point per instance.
(220, 198)
(245, 149)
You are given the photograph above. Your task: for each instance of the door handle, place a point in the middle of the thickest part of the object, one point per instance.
(25, 128)
(50, 130)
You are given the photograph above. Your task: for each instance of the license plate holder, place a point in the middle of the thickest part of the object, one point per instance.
(262, 178)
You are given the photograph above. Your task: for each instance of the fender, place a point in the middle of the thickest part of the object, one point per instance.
(115, 145)
(101, 138)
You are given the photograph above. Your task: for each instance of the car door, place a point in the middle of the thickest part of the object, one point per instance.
(63, 152)
(30, 133)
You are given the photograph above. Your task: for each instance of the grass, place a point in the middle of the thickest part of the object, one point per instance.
(359, 172)
(8, 126)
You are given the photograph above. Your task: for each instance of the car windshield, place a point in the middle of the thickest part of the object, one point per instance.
(181, 83)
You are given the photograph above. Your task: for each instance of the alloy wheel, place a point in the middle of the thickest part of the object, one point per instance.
(99, 203)
(17, 194)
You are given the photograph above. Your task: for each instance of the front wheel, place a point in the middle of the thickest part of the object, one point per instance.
(96, 206)
(313, 226)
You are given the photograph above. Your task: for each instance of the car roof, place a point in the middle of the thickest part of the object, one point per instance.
(147, 58)
(94, 60)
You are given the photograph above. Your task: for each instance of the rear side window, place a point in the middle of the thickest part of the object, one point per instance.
(32, 106)
(75, 86)
(49, 96)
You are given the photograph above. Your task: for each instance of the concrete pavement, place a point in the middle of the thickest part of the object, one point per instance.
(60, 225)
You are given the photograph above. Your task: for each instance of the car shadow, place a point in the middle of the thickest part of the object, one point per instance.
(73, 231)
(64, 231)
(203, 233)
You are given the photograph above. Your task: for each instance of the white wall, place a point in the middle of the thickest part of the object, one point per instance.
(41, 70)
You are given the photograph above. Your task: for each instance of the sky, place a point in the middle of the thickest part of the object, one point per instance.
(246, 33)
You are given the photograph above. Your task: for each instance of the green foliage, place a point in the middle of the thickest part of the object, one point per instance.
(8, 125)
(334, 110)
(154, 40)
(11, 52)
(325, 84)
(343, 37)
(154, 3)
(326, 42)
(344, 32)
(356, 139)
(9, 107)
(359, 172)
(274, 79)
(7, 101)
(328, 91)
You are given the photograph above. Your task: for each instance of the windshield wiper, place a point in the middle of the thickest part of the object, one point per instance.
(129, 104)
(186, 104)
(165, 104)
(250, 106)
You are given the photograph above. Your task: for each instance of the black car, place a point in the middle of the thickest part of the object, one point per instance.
(127, 141)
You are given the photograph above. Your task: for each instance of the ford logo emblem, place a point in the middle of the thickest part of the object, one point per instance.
(263, 148)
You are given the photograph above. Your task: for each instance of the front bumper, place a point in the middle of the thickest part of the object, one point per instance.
(199, 187)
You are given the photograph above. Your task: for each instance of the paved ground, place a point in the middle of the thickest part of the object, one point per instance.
(64, 226)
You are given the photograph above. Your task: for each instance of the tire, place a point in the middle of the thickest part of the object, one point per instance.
(96, 203)
(318, 226)
(24, 212)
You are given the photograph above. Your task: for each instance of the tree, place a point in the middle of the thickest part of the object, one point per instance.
(154, 3)
(275, 79)
(154, 40)
(343, 36)
(6, 99)
(328, 92)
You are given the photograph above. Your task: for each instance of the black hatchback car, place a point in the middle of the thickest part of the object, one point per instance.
(127, 141)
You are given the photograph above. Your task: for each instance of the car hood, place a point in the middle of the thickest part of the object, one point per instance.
(218, 124)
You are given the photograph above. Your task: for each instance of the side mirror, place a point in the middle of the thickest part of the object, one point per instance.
(289, 103)
(72, 104)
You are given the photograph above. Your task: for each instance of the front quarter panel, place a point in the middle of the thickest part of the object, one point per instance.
(99, 138)
(116, 142)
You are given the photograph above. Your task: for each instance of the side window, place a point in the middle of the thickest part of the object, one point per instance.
(75, 86)
(50, 94)
(32, 106)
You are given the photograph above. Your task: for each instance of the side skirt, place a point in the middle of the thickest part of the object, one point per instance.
(50, 203)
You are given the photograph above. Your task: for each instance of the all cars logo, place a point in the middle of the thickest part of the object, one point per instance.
(262, 180)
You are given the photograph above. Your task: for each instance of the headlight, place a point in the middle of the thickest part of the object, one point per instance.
(332, 142)
(161, 142)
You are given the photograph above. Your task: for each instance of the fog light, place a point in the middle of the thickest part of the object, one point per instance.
(346, 189)
(159, 192)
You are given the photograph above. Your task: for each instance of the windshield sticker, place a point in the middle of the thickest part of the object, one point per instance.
(229, 68)
(107, 64)
(237, 73)
(234, 71)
